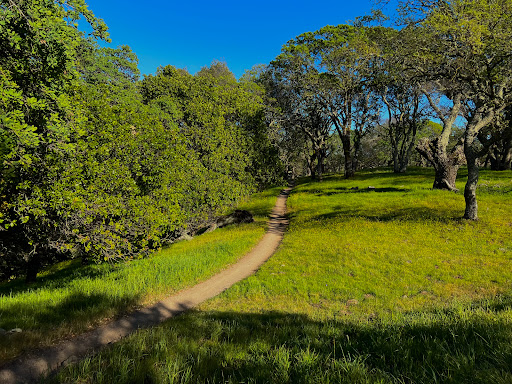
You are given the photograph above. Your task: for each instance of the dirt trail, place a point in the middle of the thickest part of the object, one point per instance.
(29, 368)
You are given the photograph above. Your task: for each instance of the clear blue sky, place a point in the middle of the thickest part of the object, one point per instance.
(191, 34)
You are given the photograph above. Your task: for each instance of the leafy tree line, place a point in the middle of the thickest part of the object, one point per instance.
(347, 89)
(99, 165)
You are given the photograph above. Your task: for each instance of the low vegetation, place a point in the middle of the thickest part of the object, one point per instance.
(69, 298)
(378, 280)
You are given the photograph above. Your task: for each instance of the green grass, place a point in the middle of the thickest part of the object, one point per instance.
(381, 286)
(69, 298)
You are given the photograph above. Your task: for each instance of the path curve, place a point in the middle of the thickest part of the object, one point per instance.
(29, 368)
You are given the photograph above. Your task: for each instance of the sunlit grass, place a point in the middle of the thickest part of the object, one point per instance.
(70, 298)
(379, 285)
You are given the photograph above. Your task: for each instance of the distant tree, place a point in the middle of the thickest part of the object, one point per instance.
(405, 113)
(498, 138)
(302, 118)
(218, 70)
(399, 92)
(349, 54)
(329, 72)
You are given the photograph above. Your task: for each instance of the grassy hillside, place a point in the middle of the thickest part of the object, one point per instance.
(70, 298)
(370, 285)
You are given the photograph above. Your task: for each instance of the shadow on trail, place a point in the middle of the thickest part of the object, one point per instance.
(448, 346)
(38, 322)
(277, 223)
(31, 366)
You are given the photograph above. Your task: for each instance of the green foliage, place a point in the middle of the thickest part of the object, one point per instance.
(38, 41)
(107, 65)
(224, 124)
(323, 83)
(125, 199)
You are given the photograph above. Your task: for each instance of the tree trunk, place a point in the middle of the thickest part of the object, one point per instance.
(403, 165)
(357, 150)
(404, 161)
(470, 150)
(493, 160)
(446, 165)
(311, 166)
(33, 266)
(396, 162)
(319, 165)
(501, 159)
(446, 174)
(349, 170)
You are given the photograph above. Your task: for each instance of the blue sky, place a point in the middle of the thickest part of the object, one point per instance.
(191, 34)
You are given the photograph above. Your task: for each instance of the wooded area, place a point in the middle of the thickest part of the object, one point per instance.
(100, 165)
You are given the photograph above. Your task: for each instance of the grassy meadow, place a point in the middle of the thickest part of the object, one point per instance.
(380, 285)
(69, 298)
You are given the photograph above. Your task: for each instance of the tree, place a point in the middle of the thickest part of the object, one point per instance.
(39, 43)
(328, 70)
(125, 171)
(303, 119)
(104, 65)
(349, 54)
(222, 123)
(498, 138)
(405, 113)
(218, 70)
(469, 48)
(266, 166)
(434, 149)
(413, 51)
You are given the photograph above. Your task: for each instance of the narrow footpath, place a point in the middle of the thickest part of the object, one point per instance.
(29, 368)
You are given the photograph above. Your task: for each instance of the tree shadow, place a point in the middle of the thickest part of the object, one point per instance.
(500, 175)
(408, 214)
(40, 324)
(274, 347)
(340, 190)
(56, 277)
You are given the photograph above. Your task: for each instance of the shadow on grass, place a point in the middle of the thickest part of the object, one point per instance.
(56, 279)
(497, 175)
(275, 347)
(410, 214)
(75, 313)
(340, 190)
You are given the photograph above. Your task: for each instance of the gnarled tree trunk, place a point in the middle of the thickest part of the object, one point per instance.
(446, 165)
